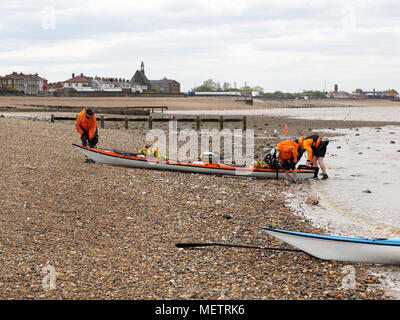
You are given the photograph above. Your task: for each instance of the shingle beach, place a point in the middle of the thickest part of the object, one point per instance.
(110, 232)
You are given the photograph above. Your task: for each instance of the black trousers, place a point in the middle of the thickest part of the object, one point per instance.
(321, 151)
(89, 142)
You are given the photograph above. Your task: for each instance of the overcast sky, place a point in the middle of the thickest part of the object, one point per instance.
(279, 45)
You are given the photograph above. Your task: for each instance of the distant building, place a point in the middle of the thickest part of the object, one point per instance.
(88, 84)
(340, 95)
(26, 83)
(115, 84)
(140, 79)
(78, 83)
(305, 96)
(392, 94)
(388, 94)
(157, 86)
(165, 86)
(336, 88)
(336, 94)
(55, 86)
(138, 84)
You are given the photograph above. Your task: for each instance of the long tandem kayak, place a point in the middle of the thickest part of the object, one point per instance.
(125, 159)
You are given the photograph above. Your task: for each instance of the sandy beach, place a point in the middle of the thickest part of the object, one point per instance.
(188, 103)
(110, 232)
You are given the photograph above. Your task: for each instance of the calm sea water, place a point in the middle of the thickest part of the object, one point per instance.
(345, 113)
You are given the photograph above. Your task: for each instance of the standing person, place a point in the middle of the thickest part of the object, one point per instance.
(86, 125)
(316, 150)
(289, 153)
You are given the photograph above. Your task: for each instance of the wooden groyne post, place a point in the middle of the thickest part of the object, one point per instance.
(198, 123)
(174, 121)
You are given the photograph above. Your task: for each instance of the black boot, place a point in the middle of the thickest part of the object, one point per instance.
(87, 160)
(316, 170)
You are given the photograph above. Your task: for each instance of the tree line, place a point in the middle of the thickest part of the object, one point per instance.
(213, 86)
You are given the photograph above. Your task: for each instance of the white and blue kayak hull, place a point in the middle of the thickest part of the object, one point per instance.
(374, 251)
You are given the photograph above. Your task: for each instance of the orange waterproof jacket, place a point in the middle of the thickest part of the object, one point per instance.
(310, 143)
(88, 125)
(287, 149)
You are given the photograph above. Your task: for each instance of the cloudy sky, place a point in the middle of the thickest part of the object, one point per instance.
(279, 45)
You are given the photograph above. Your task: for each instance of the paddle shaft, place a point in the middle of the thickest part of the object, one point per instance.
(191, 245)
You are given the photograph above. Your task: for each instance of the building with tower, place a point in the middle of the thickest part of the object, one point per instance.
(164, 85)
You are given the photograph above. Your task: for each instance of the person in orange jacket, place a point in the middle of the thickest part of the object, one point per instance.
(316, 150)
(86, 125)
(289, 153)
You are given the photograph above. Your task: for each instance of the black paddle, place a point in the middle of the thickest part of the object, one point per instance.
(191, 245)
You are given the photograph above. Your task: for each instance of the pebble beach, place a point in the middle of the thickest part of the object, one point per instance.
(110, 232)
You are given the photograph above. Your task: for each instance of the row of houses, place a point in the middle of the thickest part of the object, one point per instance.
(82, 83)
(139, 83)
(25, 83)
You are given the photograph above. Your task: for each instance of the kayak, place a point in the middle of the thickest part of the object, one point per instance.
(134, 160)
(379, 251)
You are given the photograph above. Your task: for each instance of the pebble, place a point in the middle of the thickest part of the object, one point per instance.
(312, 201)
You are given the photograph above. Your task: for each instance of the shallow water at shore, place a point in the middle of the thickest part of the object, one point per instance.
(361, 196)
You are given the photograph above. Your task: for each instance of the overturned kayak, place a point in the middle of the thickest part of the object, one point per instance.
(125, 159)
(380, 251)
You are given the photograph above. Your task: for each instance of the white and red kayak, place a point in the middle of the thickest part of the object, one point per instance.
(134, 160)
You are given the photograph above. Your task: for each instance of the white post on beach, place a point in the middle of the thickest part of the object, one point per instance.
(173, 139)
